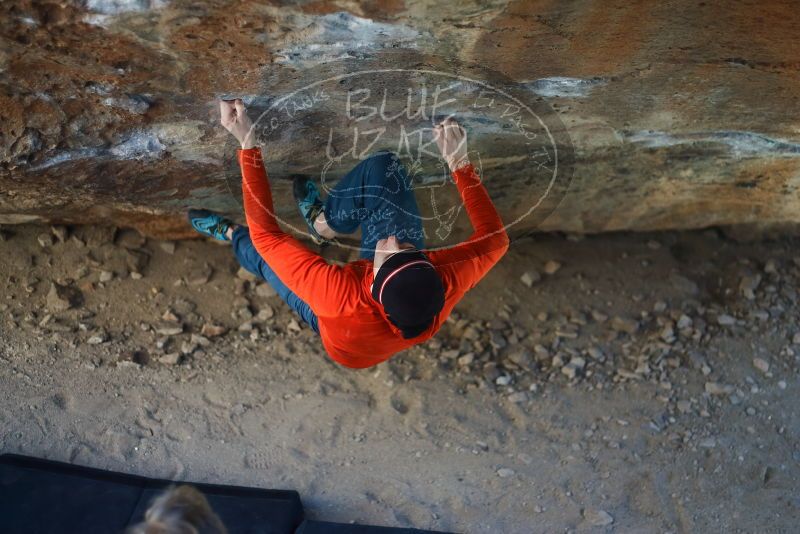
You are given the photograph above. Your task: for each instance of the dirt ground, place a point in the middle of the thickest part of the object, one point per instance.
(649, 384)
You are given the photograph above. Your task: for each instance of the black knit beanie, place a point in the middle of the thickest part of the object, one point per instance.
(410, 291)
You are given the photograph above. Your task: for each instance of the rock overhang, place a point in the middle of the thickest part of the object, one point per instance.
(111, 104)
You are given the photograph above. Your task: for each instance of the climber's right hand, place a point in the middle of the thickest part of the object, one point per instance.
(233, 117)
(451, 138)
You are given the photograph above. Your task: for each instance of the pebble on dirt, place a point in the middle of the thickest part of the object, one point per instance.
(246, 275)
(97, 339)
(213, 330)
(598, 518)
(200, 276)
(761, 364)
(530, 277)
(170, 330)
(265, 291)
(715, 388)
(466, 359)
(265, 314)
(171, 358)
(505, 472)
(551, 267)
(574, 367)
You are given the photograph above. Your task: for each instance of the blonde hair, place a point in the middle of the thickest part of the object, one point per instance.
(179, 510)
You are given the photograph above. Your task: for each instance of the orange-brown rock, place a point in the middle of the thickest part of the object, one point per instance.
(667, 114)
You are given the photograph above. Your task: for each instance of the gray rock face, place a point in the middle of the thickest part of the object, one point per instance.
(636, 116)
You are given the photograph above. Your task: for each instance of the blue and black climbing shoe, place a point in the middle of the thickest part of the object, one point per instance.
(309, 203)
(209, 223)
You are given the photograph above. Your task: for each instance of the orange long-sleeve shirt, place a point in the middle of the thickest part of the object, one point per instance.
(354, 328)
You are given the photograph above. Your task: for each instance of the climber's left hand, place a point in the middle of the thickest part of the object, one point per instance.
(233, 117)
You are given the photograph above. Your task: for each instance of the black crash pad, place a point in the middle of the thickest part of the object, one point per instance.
(43, 496)
(48, 497)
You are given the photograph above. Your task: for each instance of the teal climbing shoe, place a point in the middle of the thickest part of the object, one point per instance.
(309, 203)
(209, 223)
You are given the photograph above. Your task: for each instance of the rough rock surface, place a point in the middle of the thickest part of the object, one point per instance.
(678, 114)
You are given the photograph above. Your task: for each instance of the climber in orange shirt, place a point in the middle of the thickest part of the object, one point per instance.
(397, 295)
